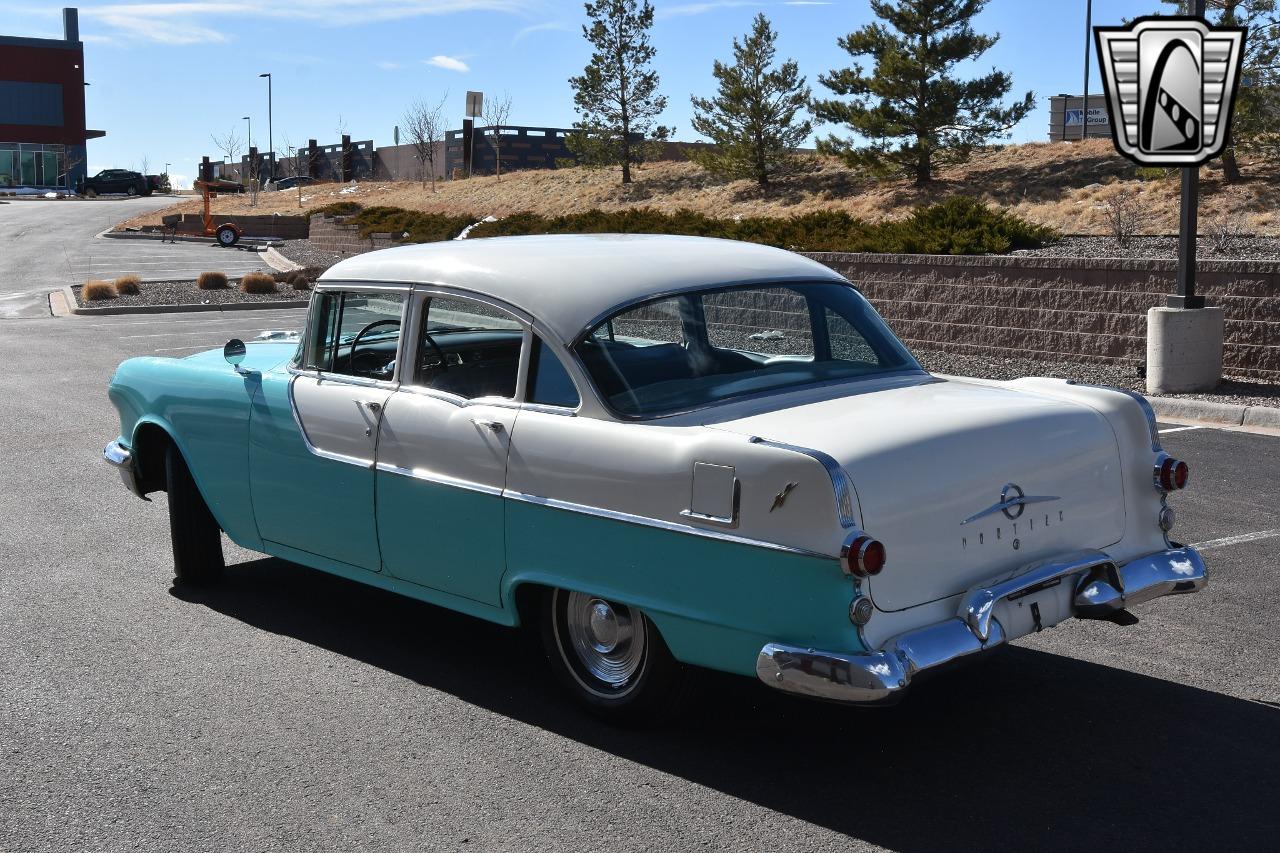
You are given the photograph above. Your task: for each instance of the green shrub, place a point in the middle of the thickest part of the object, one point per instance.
(1150, 173)
(957, 226)
(339, 208)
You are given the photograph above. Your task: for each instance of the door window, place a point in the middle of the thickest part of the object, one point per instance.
(355, 334)
(469, 348)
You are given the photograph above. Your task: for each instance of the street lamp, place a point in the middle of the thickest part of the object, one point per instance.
(250, 121)
(271, 142)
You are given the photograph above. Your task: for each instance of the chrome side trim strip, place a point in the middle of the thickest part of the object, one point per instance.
(311, 448)
(840, 481)
(439, 479)
(675, 527)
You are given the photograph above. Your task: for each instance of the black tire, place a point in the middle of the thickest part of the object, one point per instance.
(227, 236)
(653, 690)
(131, 191)
(197, 539)
(90, 193)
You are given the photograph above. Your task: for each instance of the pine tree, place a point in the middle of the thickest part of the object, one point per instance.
(752, 120)
(914, 111)
(1255, 124)
(617, 93)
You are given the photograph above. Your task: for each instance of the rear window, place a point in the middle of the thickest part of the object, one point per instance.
(694, 349)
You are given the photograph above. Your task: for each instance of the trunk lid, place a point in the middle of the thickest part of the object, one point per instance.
(925, 459)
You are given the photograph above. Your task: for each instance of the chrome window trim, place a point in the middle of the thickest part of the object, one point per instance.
(547, 409)
(311, 448)
(460, 402)
(305, 339)
(674, 527)
(841, 484)
(439, 479)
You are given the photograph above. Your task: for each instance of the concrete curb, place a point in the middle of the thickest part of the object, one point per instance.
(1207, 411)
(279, 262)
(69, 296)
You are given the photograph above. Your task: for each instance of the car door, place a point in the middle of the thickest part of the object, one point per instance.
(442, 452)
(316, 493)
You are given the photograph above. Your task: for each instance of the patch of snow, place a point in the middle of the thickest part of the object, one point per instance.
(466, 231)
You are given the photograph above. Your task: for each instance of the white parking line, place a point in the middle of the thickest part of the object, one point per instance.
(1237, 540)
(180, 334)
(1185, 428)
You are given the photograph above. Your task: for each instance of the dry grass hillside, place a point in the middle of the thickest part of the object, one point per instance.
(1065, 186)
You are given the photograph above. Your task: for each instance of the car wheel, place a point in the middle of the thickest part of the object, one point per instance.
(611, 658)
(227, 236)
(197, 539)
(90, 193)
(131, 191)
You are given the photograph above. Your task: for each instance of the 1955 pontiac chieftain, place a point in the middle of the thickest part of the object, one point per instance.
(664, 452)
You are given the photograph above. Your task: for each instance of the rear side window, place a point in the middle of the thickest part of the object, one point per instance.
(549, 382)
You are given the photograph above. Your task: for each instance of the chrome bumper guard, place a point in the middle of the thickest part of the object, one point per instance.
(1102, 589)
(118, 455)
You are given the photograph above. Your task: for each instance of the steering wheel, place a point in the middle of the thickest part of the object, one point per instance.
(351, 357)
(444, 362)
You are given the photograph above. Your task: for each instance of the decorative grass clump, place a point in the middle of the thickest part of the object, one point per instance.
(128, 285)
(298, 280)
(96, 291)
(257, 282)
(212, 281)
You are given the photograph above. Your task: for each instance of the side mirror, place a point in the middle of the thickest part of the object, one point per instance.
(234, 352)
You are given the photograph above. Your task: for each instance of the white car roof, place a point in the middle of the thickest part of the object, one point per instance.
(566, 281)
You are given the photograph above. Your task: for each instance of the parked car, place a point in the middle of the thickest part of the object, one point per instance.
(291, 182)
(663, 452)
(158, 184)
(116, 181)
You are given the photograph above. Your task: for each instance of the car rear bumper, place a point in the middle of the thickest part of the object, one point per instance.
(121, 458)
(1097, 587)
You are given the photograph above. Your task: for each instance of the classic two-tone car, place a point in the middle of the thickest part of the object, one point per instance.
(666, 453)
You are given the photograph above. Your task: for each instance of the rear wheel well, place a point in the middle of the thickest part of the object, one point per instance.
(528, 597)
(150, 444)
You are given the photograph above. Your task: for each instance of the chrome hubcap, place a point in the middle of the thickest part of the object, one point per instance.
(607, 638)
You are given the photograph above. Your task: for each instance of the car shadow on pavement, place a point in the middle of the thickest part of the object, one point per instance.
(1023, 751)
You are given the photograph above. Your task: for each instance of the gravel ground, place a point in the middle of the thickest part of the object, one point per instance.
(1242, 392)
(1237, 249)
(304, 252)
(186, 293)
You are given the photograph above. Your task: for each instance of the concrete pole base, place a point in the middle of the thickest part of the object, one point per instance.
(1184, 349)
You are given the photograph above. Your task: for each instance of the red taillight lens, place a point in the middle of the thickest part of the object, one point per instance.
(862, 556)
(1172, 474)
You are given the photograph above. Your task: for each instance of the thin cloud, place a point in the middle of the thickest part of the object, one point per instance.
(187, 22)
(548, 26)
(388, 66)
(449, 63)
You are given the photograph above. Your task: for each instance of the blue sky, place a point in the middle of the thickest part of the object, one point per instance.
(165, 75)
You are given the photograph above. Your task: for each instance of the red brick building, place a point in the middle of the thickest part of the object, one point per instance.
(42, 121)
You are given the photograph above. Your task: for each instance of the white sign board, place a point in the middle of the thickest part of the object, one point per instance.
(1097, 115)
(475, 104)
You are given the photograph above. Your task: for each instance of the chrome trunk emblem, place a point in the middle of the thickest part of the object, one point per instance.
(1013, 502)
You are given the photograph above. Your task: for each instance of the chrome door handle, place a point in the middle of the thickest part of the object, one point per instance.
(372, 405)
(491, 425)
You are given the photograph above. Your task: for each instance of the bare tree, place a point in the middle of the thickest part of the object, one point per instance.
(229, 144)
(294, 164)
(146, 165)
(344, 149)
(425, 127)
(497, 112)
(69, 163)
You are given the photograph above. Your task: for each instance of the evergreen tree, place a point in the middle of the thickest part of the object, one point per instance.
(617, 93)
(915, 114)
(1255, 125)
(752, 120)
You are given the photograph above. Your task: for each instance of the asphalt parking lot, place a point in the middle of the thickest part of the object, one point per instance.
(289, 710)
(47, 244)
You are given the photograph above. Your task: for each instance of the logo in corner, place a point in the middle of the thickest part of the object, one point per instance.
(1170, 84)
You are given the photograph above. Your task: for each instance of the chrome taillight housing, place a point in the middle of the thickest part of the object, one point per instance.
(862, 556)
(1171, 474)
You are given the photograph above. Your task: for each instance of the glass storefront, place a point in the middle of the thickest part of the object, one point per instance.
(25, 164)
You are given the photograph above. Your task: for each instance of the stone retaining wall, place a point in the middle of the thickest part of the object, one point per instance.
(334, 234)
(1062, 308)
(271, 225)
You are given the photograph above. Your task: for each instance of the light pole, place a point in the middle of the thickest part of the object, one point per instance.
(1088, 43)
(271, 141)
(250, 122)
(1186, 297)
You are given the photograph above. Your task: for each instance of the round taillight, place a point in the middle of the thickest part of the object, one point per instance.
(862, 556)
(1172, 474)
